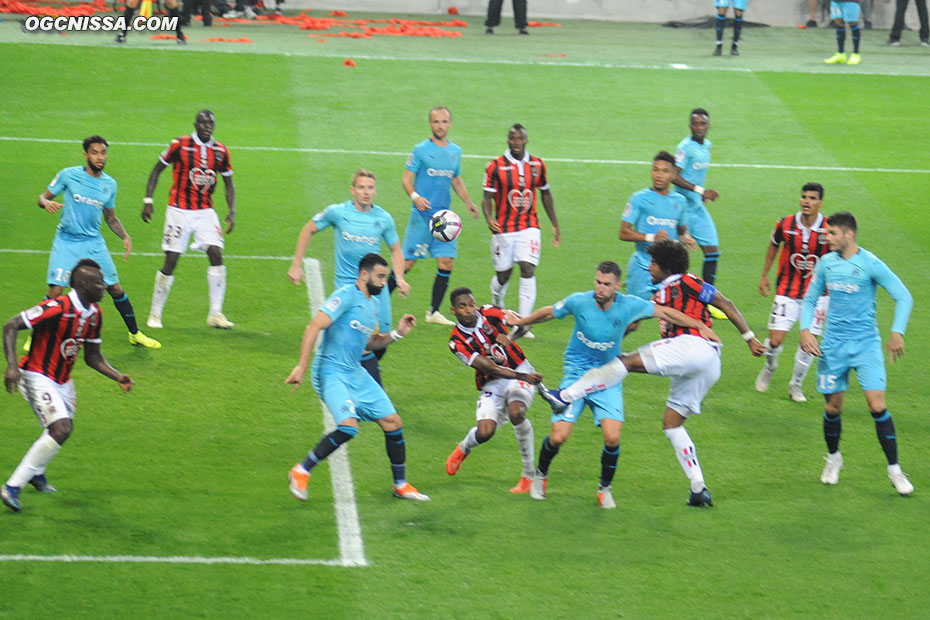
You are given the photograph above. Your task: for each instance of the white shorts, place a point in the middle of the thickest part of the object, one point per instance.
(50, 401)
(692, 363)
(497, 394)
(180, 224)
(786, 312)
(521, 247)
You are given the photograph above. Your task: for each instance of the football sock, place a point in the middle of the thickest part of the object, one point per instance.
(718, 25)
(440, 284)
(737, 29)
(855, 38)
(160, 294)
(328, 445)
(471, 440)
(841, 39)
(884, 428)
(546, 453)
(370, 364)
(771, 354)
(397, 453)
(687, 456)
(709, 274)
(832, 428)
(596, 379)
(802, 364)
(609, 458)
(124, 306)
(498, 291)
(525, 441)
(38, 456)
(527, 295)
(216, 280)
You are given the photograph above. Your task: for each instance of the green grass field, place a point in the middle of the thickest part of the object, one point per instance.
(192, 462)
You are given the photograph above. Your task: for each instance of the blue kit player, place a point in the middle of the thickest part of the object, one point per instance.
(845, 13)
(851, 341)
(359, 227)
(601, 319)
(738, 7)
(652, 214)
(87, 194)
(432, 169)
(349, 318)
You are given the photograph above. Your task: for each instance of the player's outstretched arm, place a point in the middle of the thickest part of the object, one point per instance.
(230, 202)
(320, 322)
(295, 272)
(94, 358)
(538, 316)
(679, 318)
(381, 341)
(109, 215)
(13, 373)
(46, 202)
(736, 317)
(148, 201)
(459, 186)
(549, 206)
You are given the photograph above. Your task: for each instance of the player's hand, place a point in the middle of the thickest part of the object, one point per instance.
(230, 222)
(503, 340)
(534, 378)
(512, 318)
(51, 206)
(809, 342)
(710, 194)
(556, 237)
(405, 324)
(472, 209)
(708, 334)
(11, 379)
(125, 382)
(895, 346)
(296, 376)
(422, 204)
(147, 213)
(689, 242)
(127, 247)
(494, 226)
(764, 285)
(756, 347)
(403, 288)
(661, 235)
(295, 274)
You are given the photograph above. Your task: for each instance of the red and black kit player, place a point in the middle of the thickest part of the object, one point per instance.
(61, 327)
(503, 376)
(511, 181)
(198, 161)
(802, 237)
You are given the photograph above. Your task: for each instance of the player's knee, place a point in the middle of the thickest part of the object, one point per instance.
(215, 255)
(776, 338)
(60, 430)
(558, 437)
(116, 291)
(527, 270)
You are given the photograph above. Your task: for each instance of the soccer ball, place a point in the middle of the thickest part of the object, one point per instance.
(445, 225)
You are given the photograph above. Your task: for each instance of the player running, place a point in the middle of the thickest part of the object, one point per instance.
(503, 376)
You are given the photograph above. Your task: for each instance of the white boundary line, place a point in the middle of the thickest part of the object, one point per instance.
(151, 254)
(565, 160)
(168, 559)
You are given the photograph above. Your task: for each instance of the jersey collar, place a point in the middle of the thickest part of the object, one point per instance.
(510, 158)
(472, 330)
(817, 222)
(198, 142)
(73, 296)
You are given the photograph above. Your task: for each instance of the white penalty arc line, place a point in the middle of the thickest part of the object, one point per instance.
(563, 160)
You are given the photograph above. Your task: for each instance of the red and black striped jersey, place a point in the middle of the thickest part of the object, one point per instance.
(514, 183)
(60, 326)
(800, 253)
(688, 294)
(196, 165)
(467, 343)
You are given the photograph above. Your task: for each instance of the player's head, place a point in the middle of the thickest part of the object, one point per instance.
(663, 170)
(463, 306)
(363, 187)
(440, 121)
(700, 123)
(811, 198)
(87, 280)
(373, 273)
(95, 153)
(606, 281)
(669, 257)
(516, 140)
(204, 123)
(841, 231)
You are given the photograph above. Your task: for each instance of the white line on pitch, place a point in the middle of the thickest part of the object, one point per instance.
(170, 559)
(151, 254)
(564, 160)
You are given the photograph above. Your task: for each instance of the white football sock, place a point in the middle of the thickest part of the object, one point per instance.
(498, 292)
(160, 294)
(687, 456)
(524, 433)
(802, 364)
(596, 379)
(470, 440)
(771, 354)
(216, 280)
(34, 463)
(527, 295)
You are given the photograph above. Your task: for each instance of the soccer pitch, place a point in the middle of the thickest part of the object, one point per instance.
(188, 471)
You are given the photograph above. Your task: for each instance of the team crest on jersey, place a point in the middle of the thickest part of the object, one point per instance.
(93, 320)
(486, 328)
(203, 179)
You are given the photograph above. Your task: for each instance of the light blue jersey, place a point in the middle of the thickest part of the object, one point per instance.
(693, 159)
(355, 321)
(357, 233)
(84, 199)
(649, 212)
(434, 167)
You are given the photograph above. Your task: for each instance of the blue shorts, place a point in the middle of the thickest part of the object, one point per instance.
(700, 223)
(864, 356)
(739, 5)
(420, 243)
(606, 404)
(847, 11)
(67, 251)
(352, 394)
(639, 280)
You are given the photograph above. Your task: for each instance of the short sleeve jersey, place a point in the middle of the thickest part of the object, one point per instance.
(597, 333)
(649, 212)
(84, 198)
(467, 343)
(357, 233)
(196, 166)
(61, 326)
(801, 249)
(693, 158)
(355, 321)
(434, 167)
(514, 183)
(688, 294)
